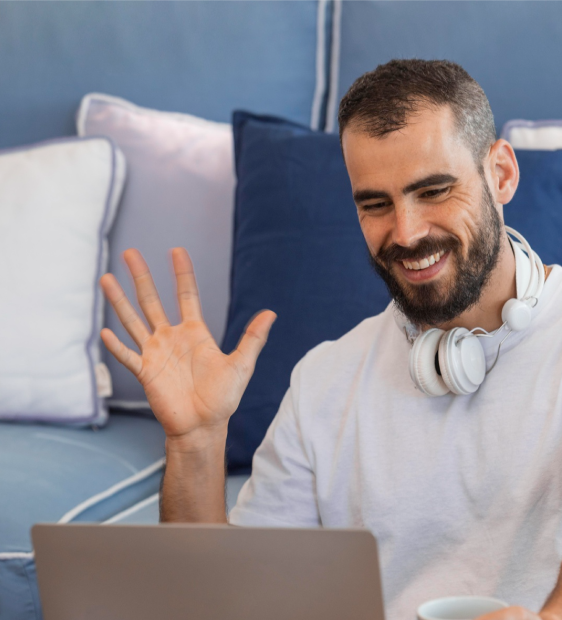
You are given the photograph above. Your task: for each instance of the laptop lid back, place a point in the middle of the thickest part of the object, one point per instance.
(206, 572)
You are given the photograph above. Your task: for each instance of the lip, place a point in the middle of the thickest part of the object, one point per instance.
(422, 275)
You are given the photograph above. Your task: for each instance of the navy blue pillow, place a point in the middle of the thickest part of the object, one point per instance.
(536, 208)
(299, 251)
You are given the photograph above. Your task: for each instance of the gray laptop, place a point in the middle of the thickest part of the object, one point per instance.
(206, 572)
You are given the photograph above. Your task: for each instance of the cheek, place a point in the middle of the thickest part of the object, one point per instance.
(375, 233)
(461, 216)
(456, 222)
(465, 229)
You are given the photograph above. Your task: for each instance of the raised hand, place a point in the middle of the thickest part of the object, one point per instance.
(190, 384)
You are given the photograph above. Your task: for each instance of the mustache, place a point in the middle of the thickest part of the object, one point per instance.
(424, 247)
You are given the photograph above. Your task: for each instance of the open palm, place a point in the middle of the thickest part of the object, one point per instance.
(189, 382)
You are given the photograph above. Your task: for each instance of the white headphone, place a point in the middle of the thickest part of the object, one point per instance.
(454, 361)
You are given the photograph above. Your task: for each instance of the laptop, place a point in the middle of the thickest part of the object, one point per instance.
(206, 572)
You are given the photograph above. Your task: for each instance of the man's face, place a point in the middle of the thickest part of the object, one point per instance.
(427, 214)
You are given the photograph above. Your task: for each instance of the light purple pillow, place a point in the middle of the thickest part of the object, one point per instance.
(179, 192)
(533, 135)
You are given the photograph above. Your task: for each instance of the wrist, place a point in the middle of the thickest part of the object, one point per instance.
(551, 612)
(200, 440)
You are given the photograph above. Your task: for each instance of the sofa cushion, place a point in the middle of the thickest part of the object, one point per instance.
(57, 203)
(519, 37)
(179, 192)
(299, 251)
(50, 474)
(46, 472)
(204, 58)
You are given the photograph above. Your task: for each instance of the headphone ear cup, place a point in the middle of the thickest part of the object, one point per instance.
(462, 363)
(517, 314)
(422, 363)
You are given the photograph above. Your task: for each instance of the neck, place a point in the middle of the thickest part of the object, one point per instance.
(499, 288)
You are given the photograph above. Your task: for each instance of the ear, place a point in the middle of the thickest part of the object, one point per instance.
(503, 171)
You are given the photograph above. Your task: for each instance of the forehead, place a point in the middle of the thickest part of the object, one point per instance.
(429, 144)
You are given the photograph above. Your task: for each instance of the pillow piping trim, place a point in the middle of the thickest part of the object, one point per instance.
(123, 103)
(114, 193)
(111, 491)
(133, 509)
(335, 54)
(141, 475)
(320, 89)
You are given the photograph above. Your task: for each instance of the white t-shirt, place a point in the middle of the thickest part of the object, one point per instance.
(464, 493)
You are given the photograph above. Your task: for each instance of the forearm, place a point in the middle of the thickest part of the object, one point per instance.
(194, 480)
(552, 609)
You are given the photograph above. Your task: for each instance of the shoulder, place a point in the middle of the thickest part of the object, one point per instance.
(351, 348)
(328, 374)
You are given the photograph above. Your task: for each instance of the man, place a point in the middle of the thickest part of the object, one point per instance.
(463, 492)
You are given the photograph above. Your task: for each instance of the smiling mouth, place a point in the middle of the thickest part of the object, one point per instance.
(424, 263)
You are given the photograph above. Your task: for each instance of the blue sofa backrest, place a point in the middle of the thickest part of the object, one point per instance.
(203, 58)
(511, 48)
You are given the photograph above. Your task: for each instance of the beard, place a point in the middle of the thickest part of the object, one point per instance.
(435, 303)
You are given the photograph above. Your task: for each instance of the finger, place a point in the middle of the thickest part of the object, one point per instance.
(123, 354)
(510, 613)
(253, 340)
(124, 310)
(188, 294)
(147, 295)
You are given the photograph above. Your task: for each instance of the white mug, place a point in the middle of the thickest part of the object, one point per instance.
(459, 608)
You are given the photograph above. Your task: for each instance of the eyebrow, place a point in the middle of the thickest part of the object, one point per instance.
(362, 195)
(432, 179)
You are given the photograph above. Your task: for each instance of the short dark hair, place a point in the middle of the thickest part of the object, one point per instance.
(380, 101)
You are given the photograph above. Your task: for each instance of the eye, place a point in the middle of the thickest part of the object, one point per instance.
(434, 193)
(375, 206)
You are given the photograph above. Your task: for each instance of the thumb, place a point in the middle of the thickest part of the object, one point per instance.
(253, 341)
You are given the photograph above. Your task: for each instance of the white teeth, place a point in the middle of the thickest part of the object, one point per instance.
(424, 263)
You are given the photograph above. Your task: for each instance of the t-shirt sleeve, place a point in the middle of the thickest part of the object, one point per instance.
(281, 490)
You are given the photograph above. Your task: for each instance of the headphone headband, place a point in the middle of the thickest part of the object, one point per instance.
(536, 281)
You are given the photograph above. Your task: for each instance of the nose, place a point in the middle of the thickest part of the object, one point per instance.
(409, 225)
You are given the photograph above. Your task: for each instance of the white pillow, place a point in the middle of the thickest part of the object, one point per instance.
(533, 135)
(179, 192)
(57, 203)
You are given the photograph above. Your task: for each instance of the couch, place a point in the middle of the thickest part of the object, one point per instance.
(293, 60)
